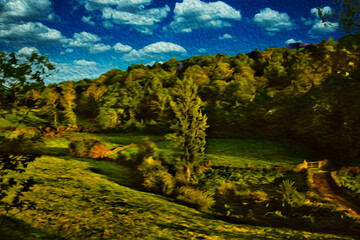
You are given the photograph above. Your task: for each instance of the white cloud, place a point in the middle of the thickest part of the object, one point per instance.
(128, 12)
(27, 51)
(83, 40)
(291, 40)
(325, 11)
(107, 25)
(201, 50)
(143, 21)
(84, 63)
(306, 21)
(92, 5)
(99, 47)
(76, 71)
(69, 50)
(87, 20)
(22, 10)
(122, 48)
(194, 14)
(153, 62)
(273, 21)
(31, 32)
(226, 36)
(320, 28)
(155, 50)
(88, 41)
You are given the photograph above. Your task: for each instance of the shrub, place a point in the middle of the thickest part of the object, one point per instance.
(225, 188)
(203, 200)
(156, 177)
(87, 147)
(146, 149)
(259, 196)
(289, 193)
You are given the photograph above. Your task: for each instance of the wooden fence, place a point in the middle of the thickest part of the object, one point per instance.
(317, 164)
(306, 165)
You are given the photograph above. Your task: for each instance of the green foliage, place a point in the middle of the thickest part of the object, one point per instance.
(155, 176)
(201, 199)
(68, 96)
(349, 178)
(348, 16)
(87, 147)
(197, 74)
(15, 155)
(146, 149)
(190, 126)
(108, 117)
(18, 74)
(51, 99)
(288, 192)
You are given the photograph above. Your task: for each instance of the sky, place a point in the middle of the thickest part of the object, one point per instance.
(86, 38)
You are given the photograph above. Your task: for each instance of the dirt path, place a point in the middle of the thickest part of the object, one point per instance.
(321, 181)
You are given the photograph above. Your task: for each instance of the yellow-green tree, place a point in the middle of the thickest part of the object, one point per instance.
(189, 127)
(67, 100)
(52, 100)
(96, 92)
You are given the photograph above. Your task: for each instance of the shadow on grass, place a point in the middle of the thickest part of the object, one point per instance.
(112, 170)
(55, 151)
(15, 229)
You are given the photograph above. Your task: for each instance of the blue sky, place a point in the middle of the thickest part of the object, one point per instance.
(85, 38)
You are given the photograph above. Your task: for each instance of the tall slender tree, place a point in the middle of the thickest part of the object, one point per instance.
(189, 127)
(51, 98)
(67, 100)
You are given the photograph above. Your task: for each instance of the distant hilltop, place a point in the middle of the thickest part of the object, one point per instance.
(298, 45)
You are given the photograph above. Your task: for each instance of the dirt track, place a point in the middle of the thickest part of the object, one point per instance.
(321, 181)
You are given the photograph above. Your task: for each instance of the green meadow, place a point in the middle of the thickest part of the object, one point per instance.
(92, 199)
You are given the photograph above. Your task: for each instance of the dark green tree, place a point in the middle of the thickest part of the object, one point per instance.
(189, 127)
(346, 19)
(18, 75)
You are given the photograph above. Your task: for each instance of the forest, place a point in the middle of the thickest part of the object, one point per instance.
(209, 147)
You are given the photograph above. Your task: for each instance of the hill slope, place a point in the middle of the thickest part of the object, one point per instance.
(76, 203)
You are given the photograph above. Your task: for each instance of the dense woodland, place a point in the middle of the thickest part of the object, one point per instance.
(307, 95)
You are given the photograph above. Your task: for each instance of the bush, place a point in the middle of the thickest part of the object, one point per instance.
(289, 193)
(156, 176)
(88, 147)
(203, 200)
(226, 188)
(146, 149)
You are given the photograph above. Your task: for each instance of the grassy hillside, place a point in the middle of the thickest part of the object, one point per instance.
(74, 202)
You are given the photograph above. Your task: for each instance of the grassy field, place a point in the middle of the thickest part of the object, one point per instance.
(90, 199)
(256, 153)
(81, 198)
(223, 152)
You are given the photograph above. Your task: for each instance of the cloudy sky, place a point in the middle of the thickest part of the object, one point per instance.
(85, 38)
